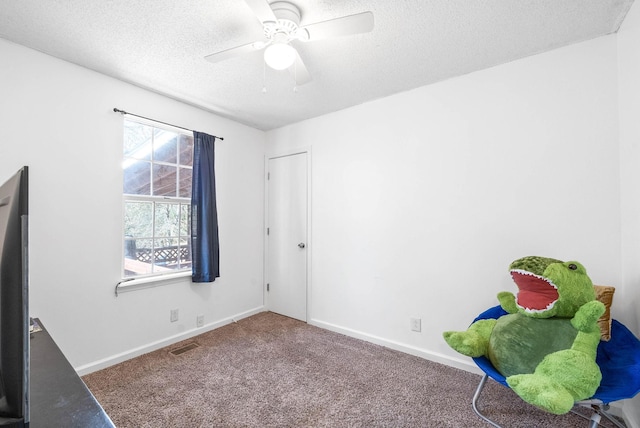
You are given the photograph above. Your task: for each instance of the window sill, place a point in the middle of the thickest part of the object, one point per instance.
(127, 285)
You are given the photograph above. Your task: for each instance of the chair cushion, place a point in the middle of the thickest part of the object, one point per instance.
(618, 359)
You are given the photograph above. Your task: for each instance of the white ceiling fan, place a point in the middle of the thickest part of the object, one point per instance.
(281, 23)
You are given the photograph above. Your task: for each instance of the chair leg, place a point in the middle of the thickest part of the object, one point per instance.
(602, 410)
(474, 403)
(598, 409)
(594, 422)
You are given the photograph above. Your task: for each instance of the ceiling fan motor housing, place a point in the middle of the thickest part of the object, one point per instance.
(283, 10)
(288, 22)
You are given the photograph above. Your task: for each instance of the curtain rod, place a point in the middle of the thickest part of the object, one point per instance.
(117, 110)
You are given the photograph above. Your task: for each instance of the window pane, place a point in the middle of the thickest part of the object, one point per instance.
(138, 257)
(129, 248)
(167, 220)
(138, 219)
(184, 190)
(185, 253)
(164, 180)
(137, 178)
(185, 221)
(137, 140)
(165, 146)
(185, 143)
(166, 252)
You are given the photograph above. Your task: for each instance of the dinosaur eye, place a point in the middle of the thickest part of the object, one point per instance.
(572, 266)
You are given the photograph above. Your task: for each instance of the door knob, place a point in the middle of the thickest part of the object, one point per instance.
(301, 245)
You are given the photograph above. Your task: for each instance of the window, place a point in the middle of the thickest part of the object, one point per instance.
(157, 170)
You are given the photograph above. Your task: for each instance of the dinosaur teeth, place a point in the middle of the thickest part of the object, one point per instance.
(537, 294)
(538, 311)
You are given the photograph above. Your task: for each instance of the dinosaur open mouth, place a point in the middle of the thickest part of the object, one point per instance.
(536, 293)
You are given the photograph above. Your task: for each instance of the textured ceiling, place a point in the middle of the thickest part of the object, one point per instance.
(161, 44)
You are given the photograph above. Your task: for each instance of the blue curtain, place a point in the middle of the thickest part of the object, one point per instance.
(204, 216)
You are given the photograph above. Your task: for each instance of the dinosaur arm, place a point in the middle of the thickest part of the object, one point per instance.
(475, 341)
(587, 316)
(508, 302)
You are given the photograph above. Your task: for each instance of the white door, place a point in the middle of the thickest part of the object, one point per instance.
(287, 236)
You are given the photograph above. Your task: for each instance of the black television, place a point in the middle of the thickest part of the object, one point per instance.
(14, 301)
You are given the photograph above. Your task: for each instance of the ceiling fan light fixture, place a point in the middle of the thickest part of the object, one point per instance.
(279, 56)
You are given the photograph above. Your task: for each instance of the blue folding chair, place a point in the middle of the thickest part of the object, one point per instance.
(619, 361)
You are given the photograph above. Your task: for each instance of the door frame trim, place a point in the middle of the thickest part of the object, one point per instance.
(309, 244)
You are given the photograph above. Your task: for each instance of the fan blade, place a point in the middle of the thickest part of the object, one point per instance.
(345, 26)
(233, 52)
(262, 10)
(299, 71)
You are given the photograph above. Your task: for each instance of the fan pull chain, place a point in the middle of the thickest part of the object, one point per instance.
(264, 78)
(295, 77)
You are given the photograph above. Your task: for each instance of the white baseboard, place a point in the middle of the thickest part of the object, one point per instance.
(458, 363)
(136, 352)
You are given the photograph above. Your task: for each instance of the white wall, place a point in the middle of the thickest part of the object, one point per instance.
(58, 119)
(422, 199)
(629, 81)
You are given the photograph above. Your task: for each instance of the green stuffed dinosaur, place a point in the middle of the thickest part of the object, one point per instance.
(546, 345)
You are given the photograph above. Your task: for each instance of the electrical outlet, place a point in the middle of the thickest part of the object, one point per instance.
(174, 315)
(416, 324)
(199, 320)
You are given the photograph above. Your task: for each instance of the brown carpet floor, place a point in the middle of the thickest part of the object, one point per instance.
(272, 371)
